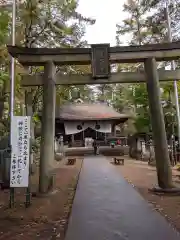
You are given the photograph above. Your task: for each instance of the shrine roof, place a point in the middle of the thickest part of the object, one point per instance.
(89, 112)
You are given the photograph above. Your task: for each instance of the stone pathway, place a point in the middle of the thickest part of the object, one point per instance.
(106, 207)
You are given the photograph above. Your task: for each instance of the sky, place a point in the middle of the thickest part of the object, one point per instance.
(107, 14)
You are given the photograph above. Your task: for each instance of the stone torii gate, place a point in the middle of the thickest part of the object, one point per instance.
(100, 56)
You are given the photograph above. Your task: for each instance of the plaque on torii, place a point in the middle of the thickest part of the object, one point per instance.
(100, 63)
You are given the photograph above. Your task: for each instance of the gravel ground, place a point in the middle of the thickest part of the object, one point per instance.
(47, 217)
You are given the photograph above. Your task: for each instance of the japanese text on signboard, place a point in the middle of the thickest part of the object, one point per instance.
(20, 152)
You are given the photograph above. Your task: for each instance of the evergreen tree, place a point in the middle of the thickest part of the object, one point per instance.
(39, 23)
(146, 23)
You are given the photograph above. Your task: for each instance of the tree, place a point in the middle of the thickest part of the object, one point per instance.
(135, 28)
(49, 23)
(157, 22)
(44, 24)
(159, 27)
(4, 71)
(143, 27)
(135, 24)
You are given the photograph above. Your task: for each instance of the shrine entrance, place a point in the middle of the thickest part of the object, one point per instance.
(100, 56)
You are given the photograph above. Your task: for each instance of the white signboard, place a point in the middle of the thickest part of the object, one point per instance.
(19, 173)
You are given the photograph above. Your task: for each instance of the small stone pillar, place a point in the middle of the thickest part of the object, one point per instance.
(72, 140)
(158, 127)
(105, 137)
(61, 142)
(48, 128)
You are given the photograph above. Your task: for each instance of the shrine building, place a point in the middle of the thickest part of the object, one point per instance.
(78, 120)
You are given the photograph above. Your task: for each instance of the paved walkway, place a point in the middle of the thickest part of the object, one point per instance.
(106, 207)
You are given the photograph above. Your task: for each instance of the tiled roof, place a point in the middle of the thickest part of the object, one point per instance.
(89, 111)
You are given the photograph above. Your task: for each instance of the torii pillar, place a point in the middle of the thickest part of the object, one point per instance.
(48, 128)
(158, 126)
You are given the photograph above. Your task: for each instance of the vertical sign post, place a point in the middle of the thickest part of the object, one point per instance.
(12, 84)
(20, 152)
